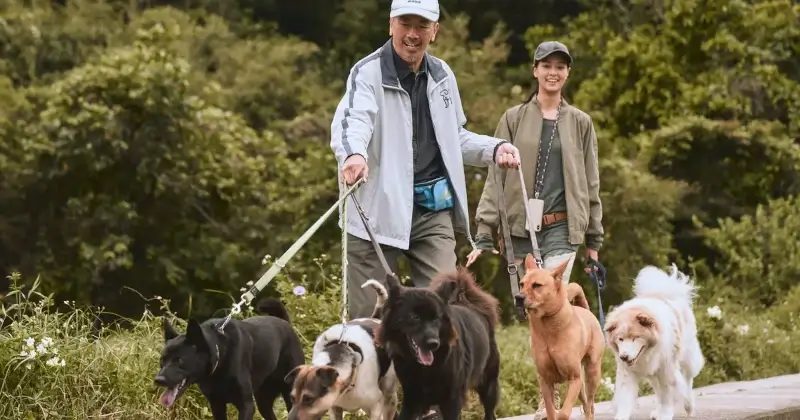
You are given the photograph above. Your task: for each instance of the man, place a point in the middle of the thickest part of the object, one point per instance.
(400, 126)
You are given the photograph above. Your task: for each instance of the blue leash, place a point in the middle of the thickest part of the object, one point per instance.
(599, 279)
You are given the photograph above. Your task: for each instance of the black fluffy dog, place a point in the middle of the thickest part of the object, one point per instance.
(442, 342)
(249, 359)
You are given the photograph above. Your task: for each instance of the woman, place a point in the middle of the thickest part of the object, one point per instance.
(558, 152)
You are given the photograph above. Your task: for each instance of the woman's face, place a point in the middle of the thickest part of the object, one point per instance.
(551, 73)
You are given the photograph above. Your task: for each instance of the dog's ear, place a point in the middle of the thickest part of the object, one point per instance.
(394, 284)
(328, 376)
(194, 334)
(292, 375)
(169, 330)
(530, 263)
(558, 273)
(645, 320)
(611, 327)
(447, 290)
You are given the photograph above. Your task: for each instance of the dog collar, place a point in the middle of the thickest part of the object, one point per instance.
(351, 383)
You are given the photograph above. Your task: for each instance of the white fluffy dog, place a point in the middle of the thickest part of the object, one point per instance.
(654, 337)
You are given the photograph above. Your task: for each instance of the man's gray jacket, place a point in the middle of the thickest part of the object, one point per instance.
(373, 119)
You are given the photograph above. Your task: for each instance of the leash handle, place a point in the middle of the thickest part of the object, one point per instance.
(598, 276)
(599, 279)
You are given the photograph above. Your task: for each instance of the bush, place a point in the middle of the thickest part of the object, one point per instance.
(57, 366)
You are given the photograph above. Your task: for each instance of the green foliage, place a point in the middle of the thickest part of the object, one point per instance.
(759, 255)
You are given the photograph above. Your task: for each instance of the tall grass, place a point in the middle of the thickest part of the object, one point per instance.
(55, 366)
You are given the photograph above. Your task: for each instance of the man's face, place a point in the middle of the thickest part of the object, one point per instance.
(411, 35)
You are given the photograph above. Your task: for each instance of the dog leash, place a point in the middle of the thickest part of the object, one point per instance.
(280, 263)
(511, 266)
(599, 279)
(365, 220)
(372, 239)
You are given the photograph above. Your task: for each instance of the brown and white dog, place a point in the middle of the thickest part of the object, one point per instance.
(566, 340)
(347, 372)
(654, 338)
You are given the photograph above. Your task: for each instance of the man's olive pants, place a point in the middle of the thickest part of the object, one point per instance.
(432, 249)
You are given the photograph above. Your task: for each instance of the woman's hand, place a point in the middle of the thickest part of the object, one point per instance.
(591, 254)
(477, 253)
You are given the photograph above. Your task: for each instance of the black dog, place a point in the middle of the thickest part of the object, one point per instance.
(249, 359)
(442, 342)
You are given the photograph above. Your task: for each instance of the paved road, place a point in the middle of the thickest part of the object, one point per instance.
(775, 398)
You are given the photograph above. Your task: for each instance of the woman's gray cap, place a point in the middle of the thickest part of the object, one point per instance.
(550, 47)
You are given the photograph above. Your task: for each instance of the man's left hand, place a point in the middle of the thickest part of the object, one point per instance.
(591, 254)
(507, 156)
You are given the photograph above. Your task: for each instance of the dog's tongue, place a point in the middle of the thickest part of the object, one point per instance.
(425, 356)
(168, 397)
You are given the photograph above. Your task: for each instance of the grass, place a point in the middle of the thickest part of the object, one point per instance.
(111, 376)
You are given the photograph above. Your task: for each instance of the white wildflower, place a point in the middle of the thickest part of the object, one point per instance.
(41, 348)
(743, 329)
(715, 312)
(47, 341)
(30, 342)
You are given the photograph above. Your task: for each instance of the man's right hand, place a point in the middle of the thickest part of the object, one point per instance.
(354, 167)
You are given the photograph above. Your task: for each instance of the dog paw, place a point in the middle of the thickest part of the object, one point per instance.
(689, 407)
(658, 414)
(562, 415)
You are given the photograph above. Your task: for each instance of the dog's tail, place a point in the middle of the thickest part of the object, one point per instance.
(459, 288)
(656, 283)
(383, 296)
(576, 297)
(273, 307)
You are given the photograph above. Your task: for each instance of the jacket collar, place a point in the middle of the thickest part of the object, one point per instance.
(389, 74)
(565, 107)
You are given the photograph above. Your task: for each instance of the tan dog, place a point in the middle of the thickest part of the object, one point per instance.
(566, 341)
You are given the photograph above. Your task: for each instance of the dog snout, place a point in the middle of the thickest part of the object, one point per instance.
(161, 380)
(519, 299)
(432, 342)
(625, 357)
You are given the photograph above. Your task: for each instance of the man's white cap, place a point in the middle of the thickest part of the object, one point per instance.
(429, 9)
